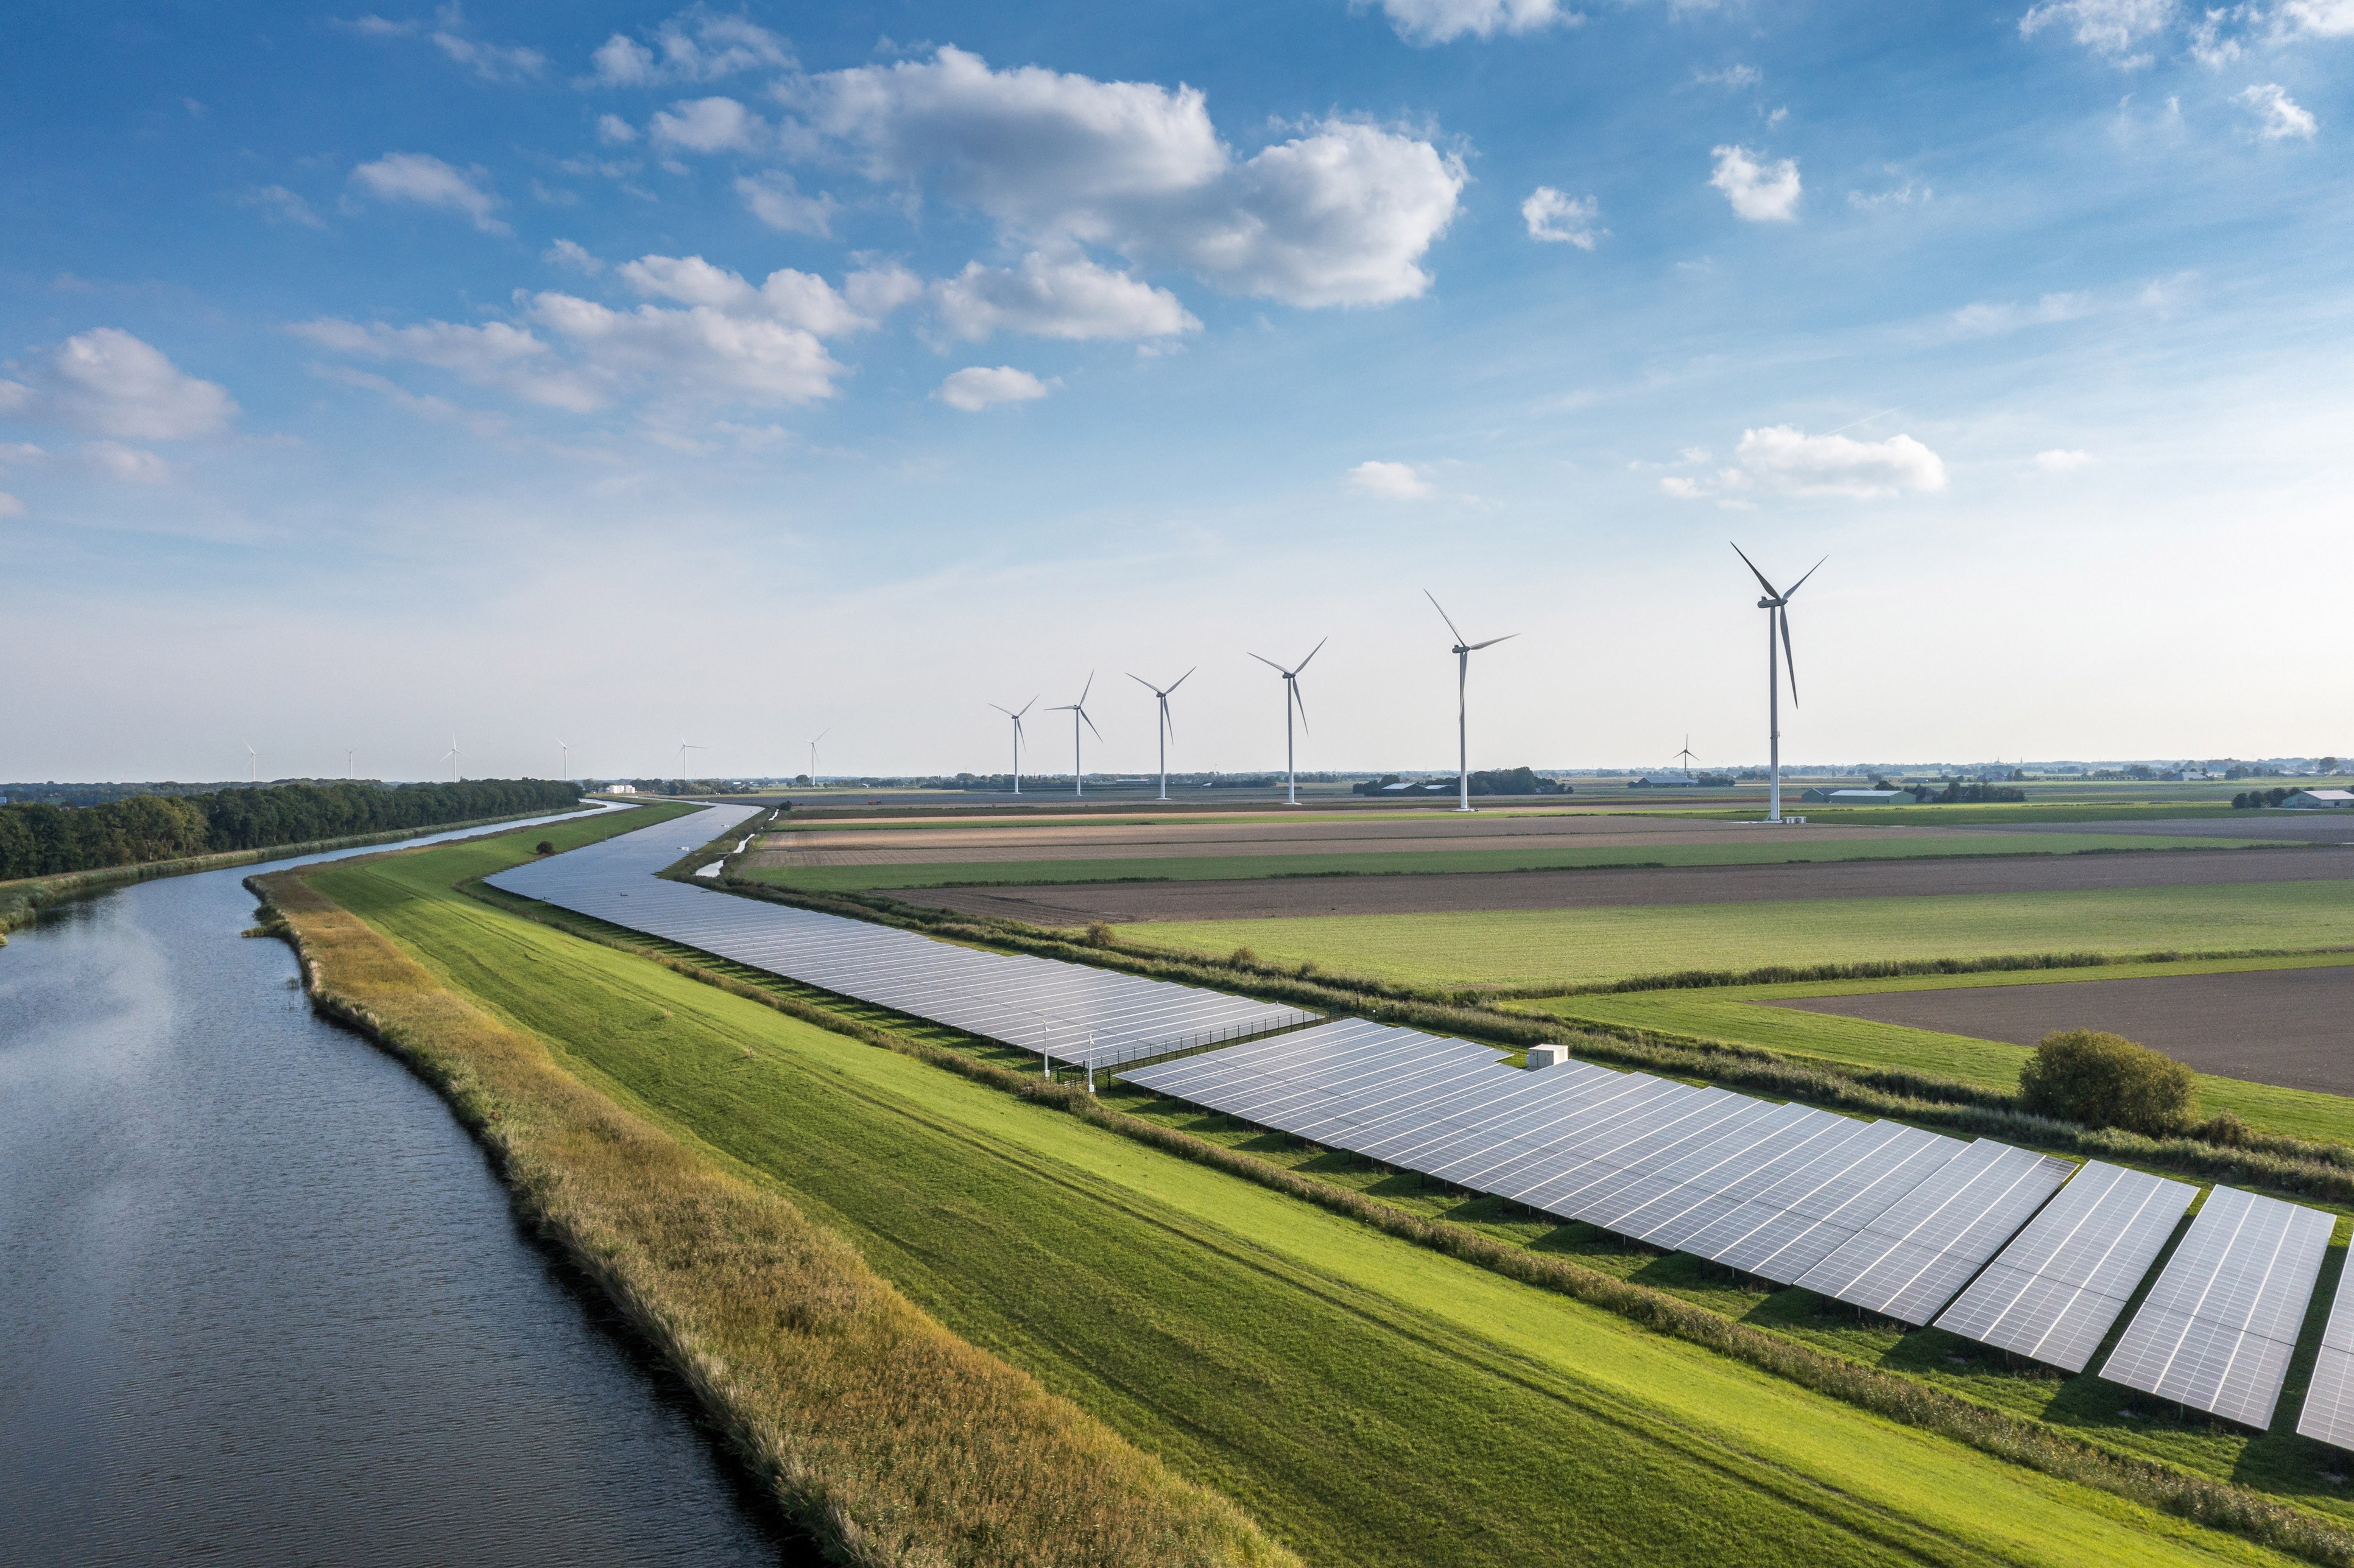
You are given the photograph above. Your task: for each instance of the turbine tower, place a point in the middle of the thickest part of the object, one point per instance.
(1016, 717)
(450, 757)
(1775, 604)
(1291, 699)
(252, 763)
(563, 756)
(813, 745)
(1685, 756)
(1167, 728)
(1078, 712)
(683, 747)
(1463, 651)
(349, 752)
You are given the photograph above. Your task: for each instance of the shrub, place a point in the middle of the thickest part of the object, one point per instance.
(1100, 935)
(2101, 1079)
(545, 846)
(1242, 958)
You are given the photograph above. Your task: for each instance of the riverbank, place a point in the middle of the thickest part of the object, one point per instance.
(895, 1440)
(22, 901)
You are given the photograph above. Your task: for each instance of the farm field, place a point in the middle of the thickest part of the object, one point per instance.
(1367, 1401)
(1568, 948)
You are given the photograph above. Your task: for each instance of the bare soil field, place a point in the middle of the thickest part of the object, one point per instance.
(1119, 904)
(2310, 828)
(2291, 1027)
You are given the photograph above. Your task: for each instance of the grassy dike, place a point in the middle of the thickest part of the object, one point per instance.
(895, 1441)
(1370, 1399)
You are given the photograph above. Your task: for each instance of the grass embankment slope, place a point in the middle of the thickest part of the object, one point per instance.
(895, 1441)
(1214, 867)
(1371, 1402)
(1522, 948)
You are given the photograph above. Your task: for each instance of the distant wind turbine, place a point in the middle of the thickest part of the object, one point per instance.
(253, 761)
(450, 757)
(1291, 699)
(1776, 606)
(1078, 712)
(683, 747)
(1463, 651)
(1016, 716)
(349, 752)
(813, 745)
(1167, 728)
(1685, 756)
(563, 756)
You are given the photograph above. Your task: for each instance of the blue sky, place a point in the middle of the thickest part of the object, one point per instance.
(642, 376)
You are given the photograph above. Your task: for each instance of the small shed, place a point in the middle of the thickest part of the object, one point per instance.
(2320, 800)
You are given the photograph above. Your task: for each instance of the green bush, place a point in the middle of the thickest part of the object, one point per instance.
(2101, 1079)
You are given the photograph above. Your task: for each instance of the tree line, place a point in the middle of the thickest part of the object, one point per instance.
(47, 841)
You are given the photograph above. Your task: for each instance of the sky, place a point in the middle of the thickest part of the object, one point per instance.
(634, 377)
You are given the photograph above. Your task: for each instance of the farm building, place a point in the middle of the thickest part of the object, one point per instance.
(1859, 797)
(2320, 800)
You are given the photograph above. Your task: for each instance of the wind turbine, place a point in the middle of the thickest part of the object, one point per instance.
(564, 757)
(1167, 728)
(813, 745)
(1685, 756)
(253, 762)
(349, 752)
(1016, 717)
(1291, 699)
(683, 747)
(1078, 712)
(450, 757)
(1775, 604)
(1463, 651)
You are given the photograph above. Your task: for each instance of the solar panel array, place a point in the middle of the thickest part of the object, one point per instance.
(2054, 1292)
(1069, 1013)
(2218, 1329)
(2328, 1412)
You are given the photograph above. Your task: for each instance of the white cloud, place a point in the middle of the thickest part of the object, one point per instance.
(976, 388)
(1550, 215)
(721, 341)
(280, 204)
(1389, 481)
(491, 62)
(694, 45)
(777, 201)
(108, 383)
(426, 180)
(1988, 320)
(614, 131)
(1738, 76)
(1068, 297)
(1438, 21)
(1761, 192)
(2278, 116)
(1341, 213)
(2061, 460)
(2321, 18)
(1781, 460)
(2110, 27)
(570, 253)
(708, 125)
(10, 506)
(374, 27)
(129, 464)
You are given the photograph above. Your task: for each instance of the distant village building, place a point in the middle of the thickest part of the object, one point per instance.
(1859, 797)
(2320, 800)
(1664, 781)
(620, 788)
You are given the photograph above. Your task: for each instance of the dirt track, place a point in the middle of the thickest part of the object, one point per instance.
(2289, 1027)
(1076, 903)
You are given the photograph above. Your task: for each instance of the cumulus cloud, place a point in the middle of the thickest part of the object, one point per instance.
(491, 62)
(2321, 18)
(1341, 213)
(131, 465)
(1388, 481)
(697, 45)
(2278, 116)
(1550, 215)
(614, 131)
(108, 383)
(2061, 460)
(976, 388)
(2111, 27)
(572, 254)
(1990, 319)
(426, 180)
(777, 201)
(720, 339)
(10, 506)
(1440, 21)
(1068, 297)
(708, 125)
(1782, 459)
(1738, 76)
(279, 205)
(1761, 192)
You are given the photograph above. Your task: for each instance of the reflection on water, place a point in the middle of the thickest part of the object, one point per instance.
(262, 1299)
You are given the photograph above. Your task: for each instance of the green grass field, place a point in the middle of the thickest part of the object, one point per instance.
(1962, 815)
(1732, 1014)
(1402, 862)
(1369, 1401)
(1578, 947)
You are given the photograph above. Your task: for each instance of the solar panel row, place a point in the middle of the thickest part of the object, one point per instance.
(2328, 1412)
(1070, 1012)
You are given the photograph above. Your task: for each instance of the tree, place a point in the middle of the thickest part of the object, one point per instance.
(545, 846)
(2100, 1079)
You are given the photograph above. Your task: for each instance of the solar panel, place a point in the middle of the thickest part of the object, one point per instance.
(1786, 1232)
(1674, 1217)
(1069, 1013)
(2328, 1413)
(2217, 1330)
(1912, 1258)
(2054, 1293)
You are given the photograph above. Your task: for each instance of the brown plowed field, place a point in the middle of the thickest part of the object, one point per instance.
(2290, 1027)
(1076, 903)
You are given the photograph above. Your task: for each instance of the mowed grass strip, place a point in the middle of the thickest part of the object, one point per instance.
(1369, 1401)
(1578, 947)
(1409, 862)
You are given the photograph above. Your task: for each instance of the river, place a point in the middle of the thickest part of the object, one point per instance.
(262, 1300)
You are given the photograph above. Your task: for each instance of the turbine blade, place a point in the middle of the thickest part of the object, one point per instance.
(1312, 653)
(1086, 689)
(1091, 725)
(1007, 712)
(1442, 613)
(1168, 724)
(1802, 581)
(1027, 706)
(1181, 680)
(1506, 637)
(1145, 684)
(1771, 591)
(1270, 663)
(1788, 658)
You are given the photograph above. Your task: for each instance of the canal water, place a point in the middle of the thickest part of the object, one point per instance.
(262, 1299)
